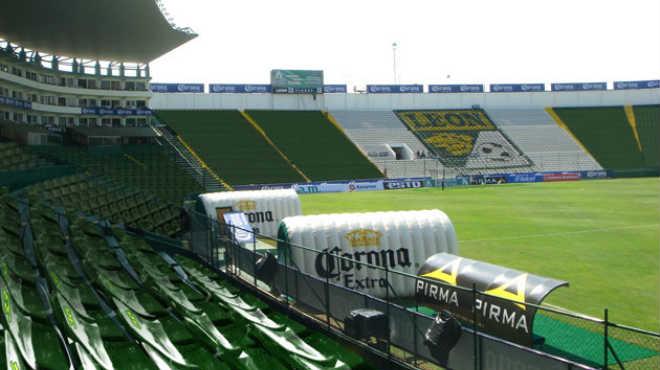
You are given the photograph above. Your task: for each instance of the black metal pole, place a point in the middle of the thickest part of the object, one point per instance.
(327, 289)
(475, 326)
(605, 341)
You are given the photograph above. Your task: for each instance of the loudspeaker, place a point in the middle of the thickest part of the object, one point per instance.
(442, 336)
(365, 323)
(266, 268)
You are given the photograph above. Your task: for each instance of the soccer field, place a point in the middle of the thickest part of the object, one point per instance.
(603, 237)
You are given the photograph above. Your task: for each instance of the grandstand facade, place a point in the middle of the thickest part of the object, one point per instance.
(423, 135)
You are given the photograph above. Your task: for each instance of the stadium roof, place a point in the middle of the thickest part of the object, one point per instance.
(114, 30)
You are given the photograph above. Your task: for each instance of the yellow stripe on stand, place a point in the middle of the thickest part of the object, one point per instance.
(203, 164)
(270, 142)
(632, 121)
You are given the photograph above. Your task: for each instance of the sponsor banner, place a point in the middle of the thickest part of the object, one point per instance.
(594, 174)
(501, 311)
(16, 103)
(176, 88)
(365, 185)
(96, 111)
(561, 176)
(487, 179)
(515, 178)
(395, 89)
(517, 88)
(239, 88)
(288, 81)
(338, 187)
(627, 85)
(265, 186)
(335, 89)
(578, 86)
(438, 89)
(409, 183)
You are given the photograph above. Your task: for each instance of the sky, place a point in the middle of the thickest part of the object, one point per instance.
(466, 41)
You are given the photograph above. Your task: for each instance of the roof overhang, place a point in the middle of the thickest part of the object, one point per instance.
(113, 30)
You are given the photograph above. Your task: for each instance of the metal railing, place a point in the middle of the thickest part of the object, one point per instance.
(562, 339)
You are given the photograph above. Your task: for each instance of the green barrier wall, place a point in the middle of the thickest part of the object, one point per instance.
(230, 146)
(315, 145)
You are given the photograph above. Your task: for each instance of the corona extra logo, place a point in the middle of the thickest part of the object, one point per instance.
(363, 238)
(246, 205)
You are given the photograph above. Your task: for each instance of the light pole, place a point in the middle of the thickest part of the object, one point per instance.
(394, 46)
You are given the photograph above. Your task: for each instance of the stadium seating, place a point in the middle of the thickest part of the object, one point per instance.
(315, 145)
(14, 158)
(146, 166)
(648, 126)
(542, 140)
(230, 146)
(376, 127)
(606, 133)
(110, 200)
(78, 295)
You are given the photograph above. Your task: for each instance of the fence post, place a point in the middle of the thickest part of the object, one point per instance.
(286, 273)
(254, 258)
(415, 328)
(605, 340)
(475, 326)
(327, 289)
(387, 311)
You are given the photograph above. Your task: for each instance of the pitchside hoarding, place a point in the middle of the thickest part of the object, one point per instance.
(501, 311)
(289, 81)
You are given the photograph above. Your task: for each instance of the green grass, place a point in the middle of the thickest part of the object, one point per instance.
(601, 236)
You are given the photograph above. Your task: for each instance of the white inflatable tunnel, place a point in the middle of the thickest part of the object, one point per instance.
(399, 241)
(263, 208)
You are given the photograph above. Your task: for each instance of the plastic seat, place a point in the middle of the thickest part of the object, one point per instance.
(153, 333)
(87, 335)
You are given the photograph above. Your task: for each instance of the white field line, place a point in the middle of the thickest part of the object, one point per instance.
(563, 233)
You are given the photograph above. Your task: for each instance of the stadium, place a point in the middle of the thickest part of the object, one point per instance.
(298, 225)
